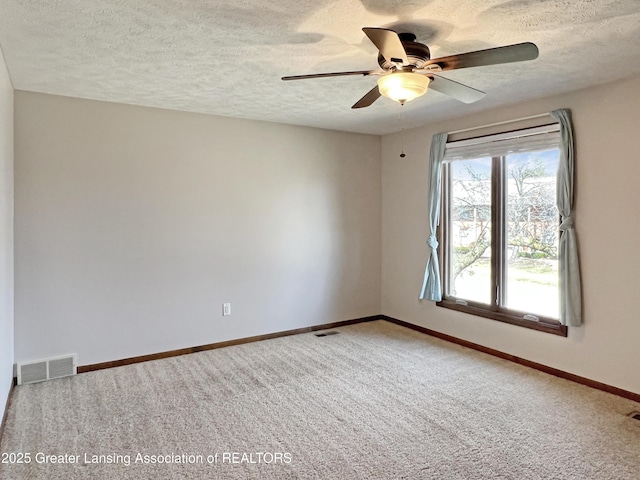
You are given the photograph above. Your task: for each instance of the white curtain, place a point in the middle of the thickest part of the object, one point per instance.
(569, 267)
(432, 285)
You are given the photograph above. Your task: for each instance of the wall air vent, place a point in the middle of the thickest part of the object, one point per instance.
(326, 334)
(48, 369)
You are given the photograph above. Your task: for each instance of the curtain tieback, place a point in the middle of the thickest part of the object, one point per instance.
(566, 223)
(433, 242)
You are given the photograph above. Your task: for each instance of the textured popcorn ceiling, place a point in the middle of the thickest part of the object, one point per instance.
(227, 57)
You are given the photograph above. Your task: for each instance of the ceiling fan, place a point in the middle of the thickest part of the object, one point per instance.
(407, 69)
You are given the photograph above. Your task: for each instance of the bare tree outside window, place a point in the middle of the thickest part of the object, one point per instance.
(471, 229)
(532, 233)
(531, 230)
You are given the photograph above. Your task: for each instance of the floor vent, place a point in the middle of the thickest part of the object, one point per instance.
(326, 334)
(32, 372)
(635, 415)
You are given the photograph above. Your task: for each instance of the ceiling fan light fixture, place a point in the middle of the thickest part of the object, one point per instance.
(403, 86)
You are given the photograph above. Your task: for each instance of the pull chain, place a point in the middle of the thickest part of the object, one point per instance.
(402, 155)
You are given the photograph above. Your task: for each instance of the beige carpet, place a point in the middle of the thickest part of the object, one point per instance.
(377, 401)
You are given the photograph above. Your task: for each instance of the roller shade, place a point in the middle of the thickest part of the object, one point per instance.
(528, 140)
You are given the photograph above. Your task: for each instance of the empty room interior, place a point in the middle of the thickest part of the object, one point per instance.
(335, 239)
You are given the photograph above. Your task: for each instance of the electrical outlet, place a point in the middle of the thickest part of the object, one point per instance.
(226, 309)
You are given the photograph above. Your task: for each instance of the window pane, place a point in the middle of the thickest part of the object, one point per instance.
(532, 233)
(470, 246)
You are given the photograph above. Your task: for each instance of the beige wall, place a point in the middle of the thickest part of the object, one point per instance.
(608, 194)
(6, 233)
(134, 225)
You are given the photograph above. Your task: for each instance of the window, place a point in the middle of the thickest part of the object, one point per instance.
(500, 227)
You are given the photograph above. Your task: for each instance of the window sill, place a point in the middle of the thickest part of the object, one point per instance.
(542, 326)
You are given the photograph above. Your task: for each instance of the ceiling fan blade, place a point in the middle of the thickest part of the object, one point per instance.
(389, 44)
(455, 90)
(491, 56)
(332, 74)
(371, 96)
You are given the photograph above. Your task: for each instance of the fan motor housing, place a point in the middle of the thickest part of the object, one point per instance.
(417, 53)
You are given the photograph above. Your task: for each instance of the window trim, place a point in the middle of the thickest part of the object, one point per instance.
(543, 325)
(498, 240)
